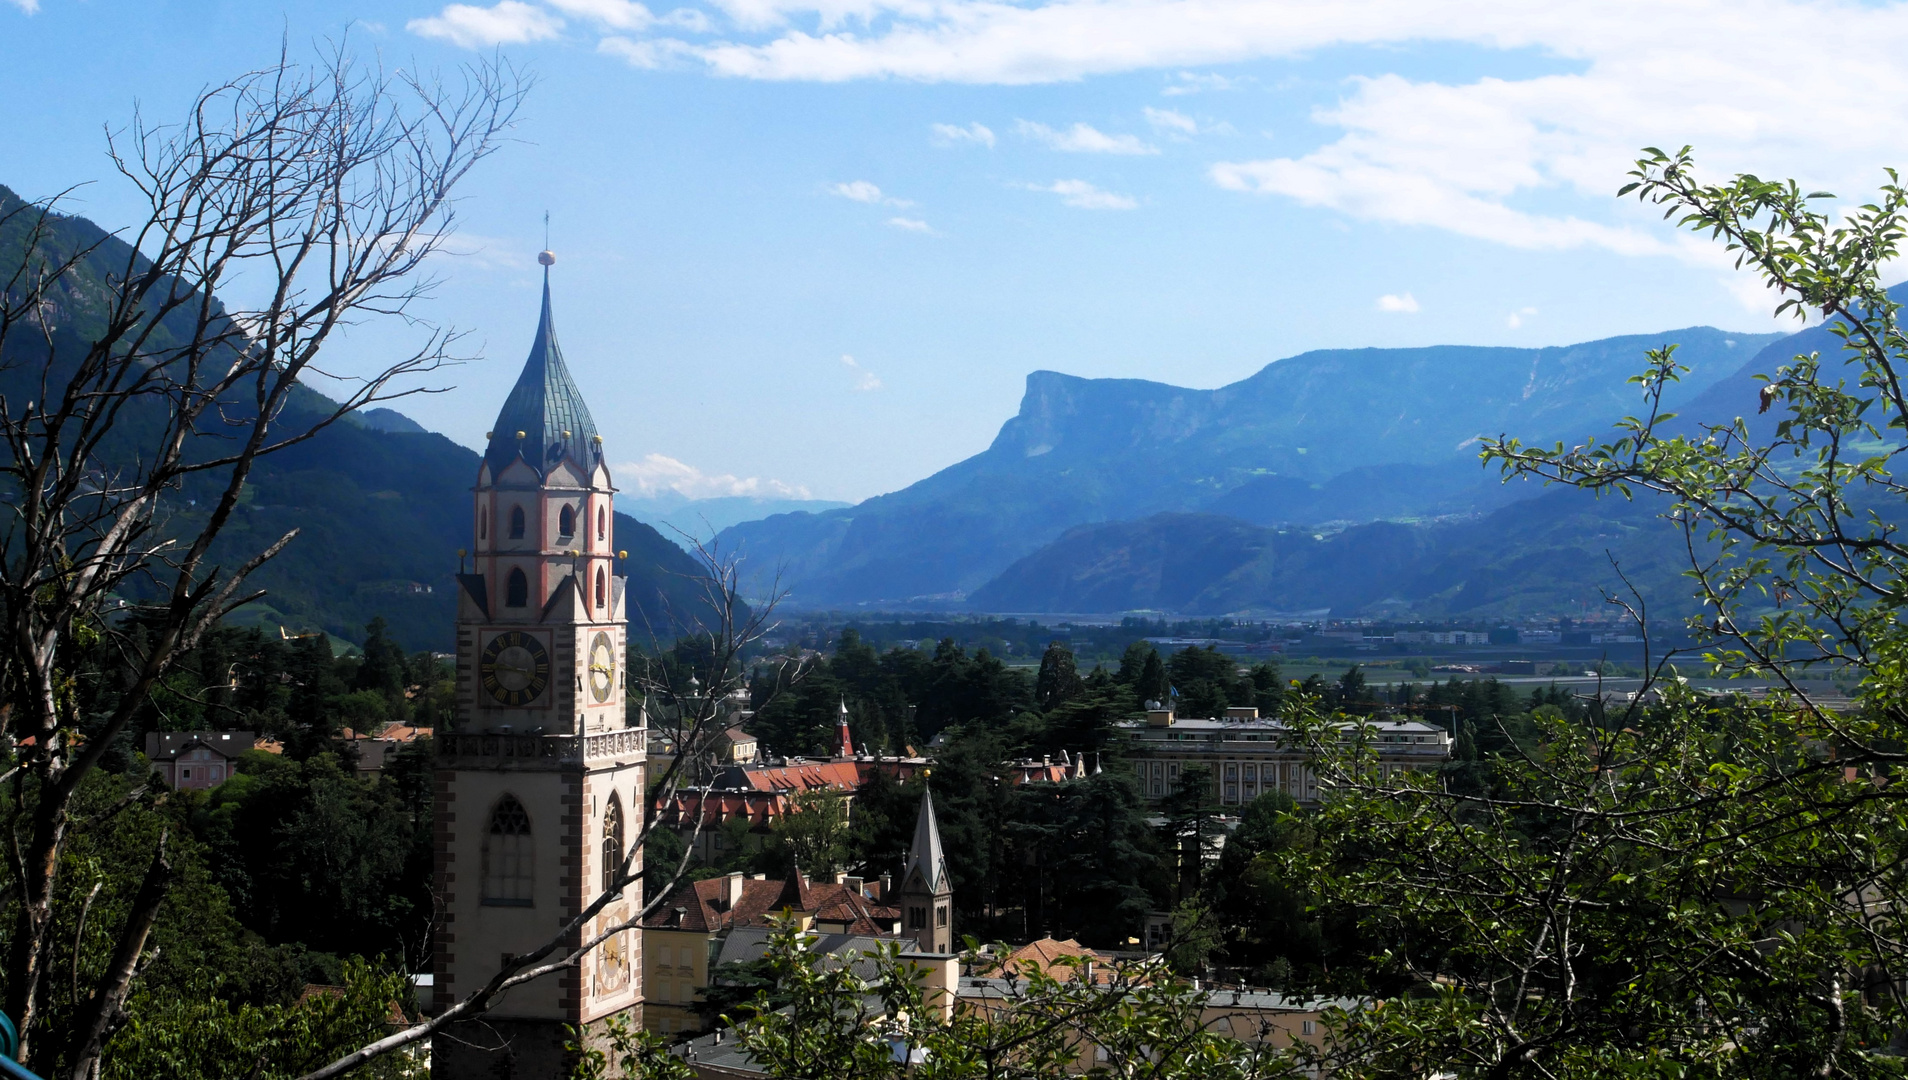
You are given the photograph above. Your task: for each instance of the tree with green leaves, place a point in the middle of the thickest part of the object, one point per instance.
(871, 1017)
(1683, 883)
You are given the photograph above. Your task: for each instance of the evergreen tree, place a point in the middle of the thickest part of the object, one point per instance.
(1059, 679)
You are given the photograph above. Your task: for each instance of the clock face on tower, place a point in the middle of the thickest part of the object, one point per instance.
(602, 667)
(514, 668)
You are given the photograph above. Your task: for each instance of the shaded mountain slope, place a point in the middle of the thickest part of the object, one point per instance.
(1348, 435)
(1546, 554)
(381, 505)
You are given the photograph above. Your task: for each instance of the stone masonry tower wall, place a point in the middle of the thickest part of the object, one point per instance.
(539, 783)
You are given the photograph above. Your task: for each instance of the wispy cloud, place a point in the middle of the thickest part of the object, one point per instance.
(1083, 139)
(28, 6)
(859, 191)
(1081, 194)
(976, 134)
(1192, 82)
(1398, 304)
(1171, 122)
(1516, 318)
(476, 251)
(913, 225)
(657, 473)
(509, 22)
(864, 379)
(615, 14)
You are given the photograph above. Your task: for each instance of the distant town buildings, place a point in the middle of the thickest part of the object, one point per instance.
(1248, 755)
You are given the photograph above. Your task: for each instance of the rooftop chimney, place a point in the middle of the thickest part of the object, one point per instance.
(1242, 712)
(1159, 717)
(735, 890)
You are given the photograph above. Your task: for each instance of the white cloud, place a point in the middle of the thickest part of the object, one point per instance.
(1402, 304)
(615, 14)
(1085, 196)
(1527, 160)
(864, 379)
(509, 22)
(1171, 122)
(1516, 318)
(858, 190)
(955, 135)
(1083, 139)
(657, 473)
(28, 6)
(913, 225)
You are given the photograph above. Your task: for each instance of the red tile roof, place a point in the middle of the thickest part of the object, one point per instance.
(705, 906)
(1044, 953)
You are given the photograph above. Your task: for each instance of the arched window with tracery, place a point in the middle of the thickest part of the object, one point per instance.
(566, 521)
(612, 842)
(602, 587)
(509, 858)
(516, 523)
(516, 589)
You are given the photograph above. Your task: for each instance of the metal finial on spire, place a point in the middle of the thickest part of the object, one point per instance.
(546, 257)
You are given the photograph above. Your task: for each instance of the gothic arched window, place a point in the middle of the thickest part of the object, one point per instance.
(566, 522)
(602, 587)
(602, 524)
(612, 842)
(516, 589)
(516, 523)
(509, 869)
(483, 526)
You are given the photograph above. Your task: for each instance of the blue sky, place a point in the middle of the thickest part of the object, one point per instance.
(814, 247)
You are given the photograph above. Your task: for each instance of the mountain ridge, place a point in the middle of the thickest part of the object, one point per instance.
(1080, 451)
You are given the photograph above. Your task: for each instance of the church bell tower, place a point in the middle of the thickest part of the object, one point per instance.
(539, 782)
(927, 892)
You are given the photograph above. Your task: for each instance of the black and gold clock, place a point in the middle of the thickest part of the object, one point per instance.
(602, 667)
(514, 668)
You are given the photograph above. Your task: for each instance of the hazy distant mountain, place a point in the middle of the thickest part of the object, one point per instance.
(1337, 435)
(1547, 554)
(381, 504)
(681, 519)
(1540, 554)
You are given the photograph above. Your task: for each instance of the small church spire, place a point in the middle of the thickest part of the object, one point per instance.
(924, 854)
(846, 746)
(927, 890)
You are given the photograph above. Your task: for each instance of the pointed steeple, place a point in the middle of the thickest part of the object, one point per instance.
(846, 747)
(545, 406)
(925, 853)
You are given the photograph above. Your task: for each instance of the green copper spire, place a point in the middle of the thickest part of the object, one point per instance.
(545, 406)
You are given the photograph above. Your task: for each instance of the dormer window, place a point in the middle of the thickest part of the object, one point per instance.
(566, 522)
